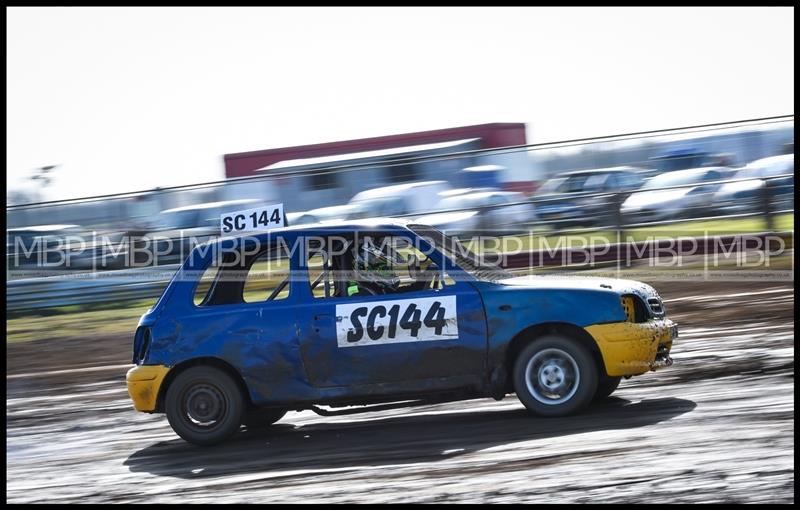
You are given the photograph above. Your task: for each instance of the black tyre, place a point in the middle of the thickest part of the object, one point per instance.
(606, 386)
(204, 405)
(555, 375)
(262, 418)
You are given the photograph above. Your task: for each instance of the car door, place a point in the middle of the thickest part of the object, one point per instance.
(433, 337)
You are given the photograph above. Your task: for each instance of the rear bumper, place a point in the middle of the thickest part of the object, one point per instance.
(634, 348)
(144, 383)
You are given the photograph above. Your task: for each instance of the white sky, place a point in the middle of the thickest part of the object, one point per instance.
(132, 98)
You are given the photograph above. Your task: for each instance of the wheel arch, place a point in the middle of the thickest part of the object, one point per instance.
(207, 361)
(531, 333)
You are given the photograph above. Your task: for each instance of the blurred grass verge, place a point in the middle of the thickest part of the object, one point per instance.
(544, 240)
(77, 321)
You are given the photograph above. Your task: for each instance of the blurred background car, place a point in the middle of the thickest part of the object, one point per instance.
(481, 211)
(337, 212)
(40, 246)
(564, 201)
(745, 194)
(199, 215)
(324, 214)
(174, 231)
(682, 158)
(397, 200)
(678, 194)
(101, 251)
(300, 218)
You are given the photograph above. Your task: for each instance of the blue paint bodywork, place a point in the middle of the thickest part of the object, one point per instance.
(286, 350)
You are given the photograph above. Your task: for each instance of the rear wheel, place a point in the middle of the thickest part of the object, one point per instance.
(606, 386)
(555, 375)
(204, 405)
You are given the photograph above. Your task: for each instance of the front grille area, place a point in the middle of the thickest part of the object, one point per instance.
(656, 306)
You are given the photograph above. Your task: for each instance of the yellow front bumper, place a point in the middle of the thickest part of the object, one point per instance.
(630, 348)
(144, 382)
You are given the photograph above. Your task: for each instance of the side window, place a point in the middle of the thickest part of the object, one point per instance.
(207, 278)
(369, 266)
(268, 278)
(573, 184)
(595, 182)
(320, 273)
(630, 181)
(245, 279)
(414, 268)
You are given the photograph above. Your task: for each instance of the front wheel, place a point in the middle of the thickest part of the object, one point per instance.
(554, 376)
(204, 405)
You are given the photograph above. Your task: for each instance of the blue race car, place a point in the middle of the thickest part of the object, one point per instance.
(378, 314)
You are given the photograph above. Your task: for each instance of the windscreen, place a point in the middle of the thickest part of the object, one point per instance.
(470, 262)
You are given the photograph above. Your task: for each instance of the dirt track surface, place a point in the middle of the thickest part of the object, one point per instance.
(718, 426)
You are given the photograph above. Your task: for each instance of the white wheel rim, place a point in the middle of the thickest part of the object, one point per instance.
(552, 376)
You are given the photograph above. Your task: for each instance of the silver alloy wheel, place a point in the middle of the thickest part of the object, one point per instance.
(552, 376)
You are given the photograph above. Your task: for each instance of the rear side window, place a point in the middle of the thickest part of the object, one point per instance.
(257, 278)
(208, 277)
(268, 278)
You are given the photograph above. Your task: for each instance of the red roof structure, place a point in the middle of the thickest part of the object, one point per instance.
(495, 135)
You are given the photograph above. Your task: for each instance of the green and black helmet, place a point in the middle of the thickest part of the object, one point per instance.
(373, 266)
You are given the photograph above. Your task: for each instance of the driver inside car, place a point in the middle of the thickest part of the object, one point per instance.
(373, 272)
